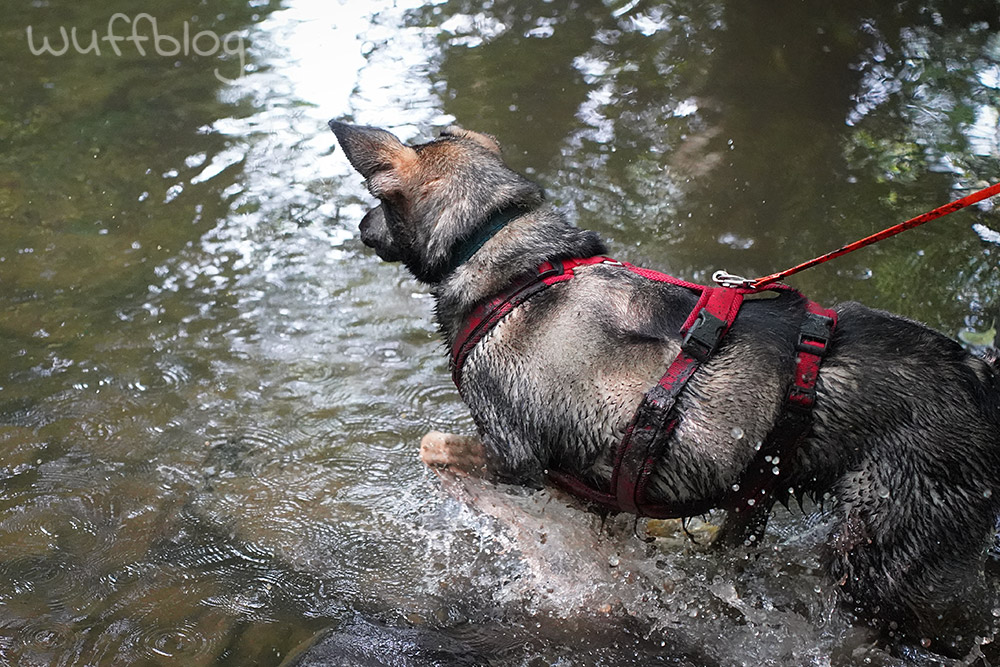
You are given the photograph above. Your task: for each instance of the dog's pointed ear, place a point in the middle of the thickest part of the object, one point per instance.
(487, 141)
(370, 149)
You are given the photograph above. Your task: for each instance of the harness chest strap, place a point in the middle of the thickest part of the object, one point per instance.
(485, 316)
(653, 422)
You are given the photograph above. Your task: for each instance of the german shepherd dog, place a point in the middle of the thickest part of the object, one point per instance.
(905, 435)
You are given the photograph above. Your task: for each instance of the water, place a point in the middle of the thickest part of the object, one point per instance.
(212, 393)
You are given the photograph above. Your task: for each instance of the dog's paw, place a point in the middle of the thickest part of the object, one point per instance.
(695, 530)
(461, 454)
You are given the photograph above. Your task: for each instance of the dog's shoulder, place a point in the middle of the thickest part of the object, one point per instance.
(630, 307)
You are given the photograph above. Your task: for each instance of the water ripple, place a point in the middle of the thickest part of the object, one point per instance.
(428, 396)
(183, 642)
(38, 635)
(245, 448)
(53, 576)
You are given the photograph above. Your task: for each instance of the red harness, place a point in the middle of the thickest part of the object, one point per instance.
(654, 420)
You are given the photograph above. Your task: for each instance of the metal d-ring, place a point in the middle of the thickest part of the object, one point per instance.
(726, 279)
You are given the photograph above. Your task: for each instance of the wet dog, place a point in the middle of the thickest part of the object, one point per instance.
(905, 434)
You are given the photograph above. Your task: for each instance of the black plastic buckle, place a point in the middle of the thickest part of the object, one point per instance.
(816, 329)
(703, 336)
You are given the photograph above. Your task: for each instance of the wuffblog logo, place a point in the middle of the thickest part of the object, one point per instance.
(205, 43)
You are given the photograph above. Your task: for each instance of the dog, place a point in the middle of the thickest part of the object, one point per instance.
(903, 441)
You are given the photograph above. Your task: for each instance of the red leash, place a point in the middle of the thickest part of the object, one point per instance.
(728, 280)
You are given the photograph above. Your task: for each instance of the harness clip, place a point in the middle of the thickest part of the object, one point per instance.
(726, 279)
(704, 335)
(814, 334)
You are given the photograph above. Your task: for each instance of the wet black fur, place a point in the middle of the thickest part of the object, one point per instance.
(906, 433)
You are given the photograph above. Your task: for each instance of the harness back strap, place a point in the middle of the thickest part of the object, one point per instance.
(488, 313)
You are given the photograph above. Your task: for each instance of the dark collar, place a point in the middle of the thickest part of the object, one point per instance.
(465, 249)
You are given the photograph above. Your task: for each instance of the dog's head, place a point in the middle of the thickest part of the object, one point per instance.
(433, 197)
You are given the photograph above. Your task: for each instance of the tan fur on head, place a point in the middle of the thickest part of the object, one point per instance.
(487, 141)
(433, 195)
(371, 150)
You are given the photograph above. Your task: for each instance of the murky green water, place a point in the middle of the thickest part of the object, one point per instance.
(211, 394)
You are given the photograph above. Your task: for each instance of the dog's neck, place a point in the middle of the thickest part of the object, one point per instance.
(467, 248)
(519, 246)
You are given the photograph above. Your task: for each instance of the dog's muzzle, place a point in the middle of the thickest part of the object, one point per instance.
(375, 235)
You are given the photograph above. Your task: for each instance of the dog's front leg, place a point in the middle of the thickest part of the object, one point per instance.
(468, 455)
(744, 528)
(461, 454)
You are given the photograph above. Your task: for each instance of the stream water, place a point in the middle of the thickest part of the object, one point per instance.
(212, 395)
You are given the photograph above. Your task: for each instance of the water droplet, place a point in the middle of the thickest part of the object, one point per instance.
(767, 459)
(736, 487)
(614, 560)
(776, 460)
(758, 445)
(925, 642)
(996, 611)
(751, 502)
(883, 493)
(987, 494)
(737, 433)
(775, 470)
